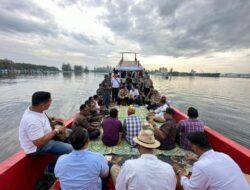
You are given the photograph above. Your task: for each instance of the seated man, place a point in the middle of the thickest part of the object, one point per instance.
(82, 168)
(213, 170)
(35, 132)
(154, 100)
(192, 124)
(123, 95)
(88, 111)
(134, 96)
(132, 125)
(167, 132)
(146, 172)
(97, 106)
(82, 122)
(158, 115)
(112, 129)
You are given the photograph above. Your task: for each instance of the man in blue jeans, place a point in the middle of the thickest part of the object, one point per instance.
(35, 133)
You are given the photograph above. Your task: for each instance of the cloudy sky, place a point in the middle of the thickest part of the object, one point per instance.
(204, 35)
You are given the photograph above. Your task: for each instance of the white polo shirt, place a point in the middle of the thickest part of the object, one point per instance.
(134, 93)
(146, 172)
(115, 82)
(215, 171)
(33, 126)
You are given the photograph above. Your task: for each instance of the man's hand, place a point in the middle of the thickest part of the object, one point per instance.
(190, 157)
(179, 170)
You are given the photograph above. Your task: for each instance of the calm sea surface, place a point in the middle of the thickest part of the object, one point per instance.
(223, 103)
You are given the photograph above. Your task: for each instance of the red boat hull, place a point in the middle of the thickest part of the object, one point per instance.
(22, 172)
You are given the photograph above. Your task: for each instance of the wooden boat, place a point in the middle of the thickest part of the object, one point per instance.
(22, 171)
(130, 67)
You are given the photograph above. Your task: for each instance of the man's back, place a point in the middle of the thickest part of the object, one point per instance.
(146, 172)
(80, 170)
(189, 126)
(169, 130)
(132, 126)
(111, 129)
(216, 171)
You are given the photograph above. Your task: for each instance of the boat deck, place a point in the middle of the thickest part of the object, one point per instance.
(124, 149)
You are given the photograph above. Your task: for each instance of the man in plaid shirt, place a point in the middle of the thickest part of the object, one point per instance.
(132, 125)
(192, 124)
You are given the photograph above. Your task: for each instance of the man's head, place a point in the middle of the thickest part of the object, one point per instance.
(131, 110)
(162, 101)
(96, 97)
(169, 114)
(79, 138)
(146, 141)
(84, 110)
(106, 76)
(199, 142)
(113, 113)
(90, 98)
(41, 99)
(192, 113)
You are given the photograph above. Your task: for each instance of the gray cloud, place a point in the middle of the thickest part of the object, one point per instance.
(83, 38)
(12, 18)
(24, 6)
(176, 28)
(12, 23)
(182, 28)
(91, 3)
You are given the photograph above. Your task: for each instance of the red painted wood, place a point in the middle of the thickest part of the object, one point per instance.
(21, 171)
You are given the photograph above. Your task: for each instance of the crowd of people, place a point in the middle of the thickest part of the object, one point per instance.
(79, 168)
(139, 91)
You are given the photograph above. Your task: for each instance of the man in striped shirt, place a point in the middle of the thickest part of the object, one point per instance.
(192, 124)
(132, 125)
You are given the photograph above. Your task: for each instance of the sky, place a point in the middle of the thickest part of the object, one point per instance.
(204, 35)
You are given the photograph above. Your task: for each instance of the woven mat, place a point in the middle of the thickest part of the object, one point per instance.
(124, 148)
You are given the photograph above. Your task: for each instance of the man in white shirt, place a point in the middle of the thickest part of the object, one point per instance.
(115, 82)
(146, 172)
(158, 114)
(35, 133)
(134, 96)
(213, 170)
